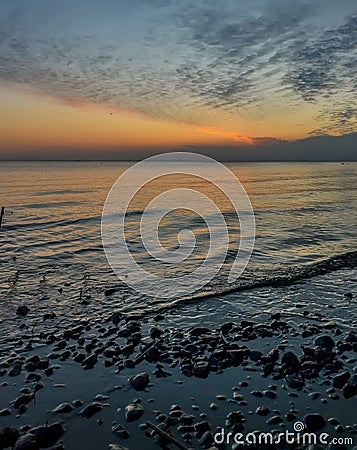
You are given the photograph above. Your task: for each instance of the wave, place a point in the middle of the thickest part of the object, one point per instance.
(276, 278)
(53, 223)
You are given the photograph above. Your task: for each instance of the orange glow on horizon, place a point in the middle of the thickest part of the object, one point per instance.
(32, 120)
(226, 134)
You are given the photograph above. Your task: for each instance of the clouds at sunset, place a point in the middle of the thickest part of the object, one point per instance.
(238, 70)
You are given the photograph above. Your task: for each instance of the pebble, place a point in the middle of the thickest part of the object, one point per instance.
(314, 422)
(120, 431)
(26, 442)
(341, 379)
(262, 411)
(91, 409)
(133, 411)
(8, 436)
(63, 408)
(325, 341)
(140, 381)
(274, 420)
(314, 395)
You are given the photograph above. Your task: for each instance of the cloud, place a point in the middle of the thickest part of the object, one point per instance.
(326, 63)
(177, 60)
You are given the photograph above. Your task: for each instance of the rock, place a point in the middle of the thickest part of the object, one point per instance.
(63, 408)
(226, 327)
(202, 427)
(273, 355)
(290, 360)
(5, 412)
(314, 395)
(206, 439)
(117, 447)
(77, 403)
(235, 420)
(22, 310)
(15, 371)
(8, 436)
(120, 431)
(350, 389)
(274, 420)
(198, 331)
(152, 355)
(314, 422)
(47, 435)
(290, 416)
(255, 355)
(57, 447)
(43, 364)
(237, 356)
(268, 368)
(27, 442)
(91, 409)
(90, 361)
(257, 394)
(140, 381)
(201, 369)
(187, 419)
(325, 341)
(262, 411)
(22, 400)
(294, 382)
(341, 379)
(270, 394)
(133, 412)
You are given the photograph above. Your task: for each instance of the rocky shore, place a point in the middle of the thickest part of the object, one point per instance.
(126, 381)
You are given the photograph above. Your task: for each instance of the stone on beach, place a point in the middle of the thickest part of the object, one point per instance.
(91, 409)
(140, 381)
(325, 341)
(8, 436)
(341, 379)
(90, 361)
(133, 411)
(120, 431)
(27, 442)
(47, 435)
(63, 408)
(314, 422)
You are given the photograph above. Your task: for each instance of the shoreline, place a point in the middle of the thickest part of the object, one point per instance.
(189, 366)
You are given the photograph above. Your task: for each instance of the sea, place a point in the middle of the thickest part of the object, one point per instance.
(51, 249)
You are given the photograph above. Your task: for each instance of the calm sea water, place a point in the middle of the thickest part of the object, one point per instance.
(50, 242)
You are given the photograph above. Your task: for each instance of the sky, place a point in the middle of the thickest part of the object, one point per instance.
(270, 79)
